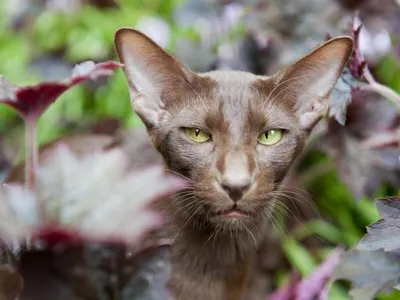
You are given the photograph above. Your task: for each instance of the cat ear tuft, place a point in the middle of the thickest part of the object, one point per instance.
(150, 71)
(310, 81)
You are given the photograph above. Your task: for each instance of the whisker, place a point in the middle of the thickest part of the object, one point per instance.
(179, 174)
(301, 199)
(283, 207)
(251, 235)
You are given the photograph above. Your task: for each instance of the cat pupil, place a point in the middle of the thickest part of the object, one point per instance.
(197, 131)
(266, 135)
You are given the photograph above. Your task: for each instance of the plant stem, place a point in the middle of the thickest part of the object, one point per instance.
(380, 88)
(31, 164)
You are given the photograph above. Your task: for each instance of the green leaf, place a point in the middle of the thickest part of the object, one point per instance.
(51, 29)
(320, 228)
(298, 256)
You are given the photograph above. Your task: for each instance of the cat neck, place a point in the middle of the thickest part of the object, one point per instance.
(207, 247)
(206, 256)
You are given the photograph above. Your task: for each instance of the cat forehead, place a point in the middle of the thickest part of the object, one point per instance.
(235, 98)
(225, 77)
(234, 85)
(228, 81)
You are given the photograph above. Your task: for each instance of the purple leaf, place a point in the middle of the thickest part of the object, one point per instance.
(341, 96)
(385, 233)
(375, 265)
(153, 272)
(92, 198)
(287, 292)
(362, 168)
(32, 101)
(314, 286)
(390, 138)
(96, 271)
(357, 63)
(370, 272)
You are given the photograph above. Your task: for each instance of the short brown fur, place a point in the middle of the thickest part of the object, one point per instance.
(212, 253)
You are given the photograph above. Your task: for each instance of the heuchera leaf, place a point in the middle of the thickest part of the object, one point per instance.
(366, 148)
(364, 169)
(341, 96)
(375, 265)
(287, 292)
(91, 198)
(357, 63)
(314, 286)
(385, 233)
(32, 101)
(96, 271)
(384, 139)
(153, 272)
(370, 272)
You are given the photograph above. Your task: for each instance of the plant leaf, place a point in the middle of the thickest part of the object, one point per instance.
(18, 212)
(314, 286)
(92, 197)
(32, 101)
(384, 139)
(364, 169)
(341, 96)
(369, 271)
(385, 233)
(154, 270)
(357, 63)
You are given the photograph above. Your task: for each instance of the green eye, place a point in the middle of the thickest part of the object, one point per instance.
(197, 135)
(270, 137)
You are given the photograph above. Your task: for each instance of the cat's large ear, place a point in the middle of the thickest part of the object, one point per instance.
(151, 72)
(308, 83)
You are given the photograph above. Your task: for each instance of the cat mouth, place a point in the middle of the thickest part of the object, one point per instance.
(234, 213)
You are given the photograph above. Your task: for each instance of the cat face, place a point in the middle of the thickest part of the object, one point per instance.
(234, 135)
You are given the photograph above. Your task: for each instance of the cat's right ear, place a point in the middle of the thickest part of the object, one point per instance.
(151, 73)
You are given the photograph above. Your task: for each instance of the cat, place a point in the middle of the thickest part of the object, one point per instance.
(233, 135)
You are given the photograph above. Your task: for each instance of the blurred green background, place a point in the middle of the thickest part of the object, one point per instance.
(43, 40)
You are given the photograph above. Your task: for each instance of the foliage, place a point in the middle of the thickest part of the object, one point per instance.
(91, 206)
(353, 155)
(314, 286)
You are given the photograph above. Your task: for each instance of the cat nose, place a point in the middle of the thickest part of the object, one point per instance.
(236, 188)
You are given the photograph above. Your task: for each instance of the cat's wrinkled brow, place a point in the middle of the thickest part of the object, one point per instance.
(236, 103)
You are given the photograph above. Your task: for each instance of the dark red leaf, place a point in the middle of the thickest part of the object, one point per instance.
(54, 235)
(357, 63)
(32, 101)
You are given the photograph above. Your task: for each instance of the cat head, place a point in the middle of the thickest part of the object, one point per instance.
(233, 134)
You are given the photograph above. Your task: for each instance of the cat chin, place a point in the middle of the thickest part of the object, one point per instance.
(233, 221)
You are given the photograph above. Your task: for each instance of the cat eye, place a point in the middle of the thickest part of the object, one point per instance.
(270, 137)
(197, 135)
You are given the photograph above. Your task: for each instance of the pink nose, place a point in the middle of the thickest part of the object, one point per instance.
(236, 188)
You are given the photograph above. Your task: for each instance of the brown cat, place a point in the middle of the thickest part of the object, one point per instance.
(234, 135)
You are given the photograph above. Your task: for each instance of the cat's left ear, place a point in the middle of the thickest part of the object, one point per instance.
(307, 84)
